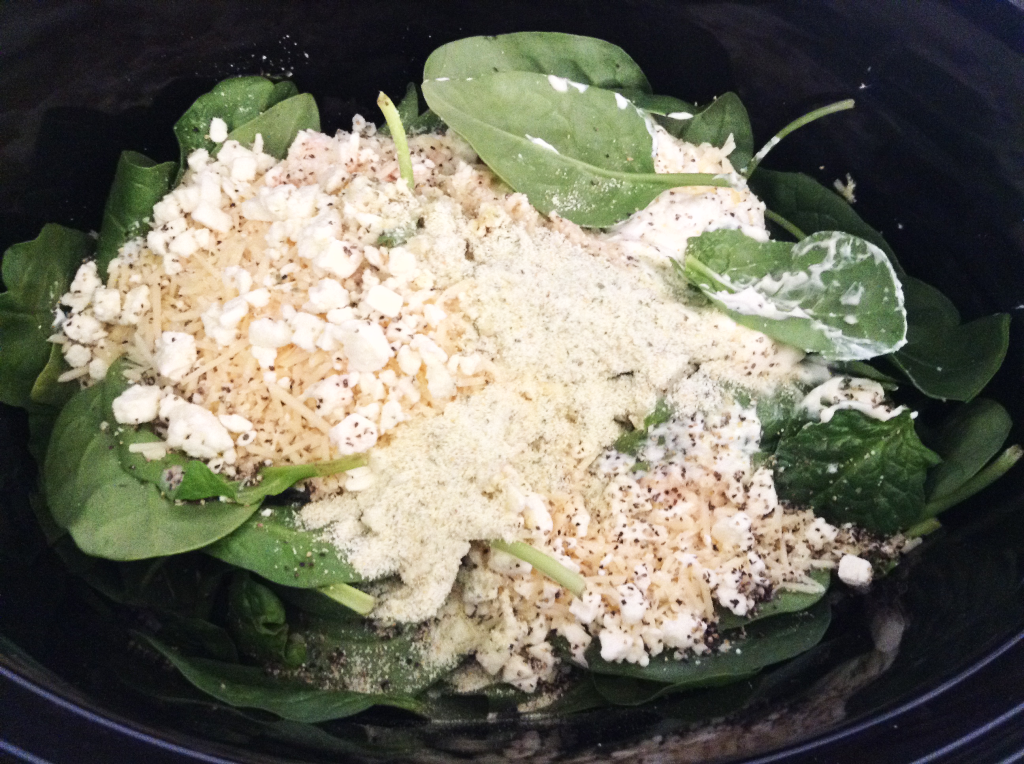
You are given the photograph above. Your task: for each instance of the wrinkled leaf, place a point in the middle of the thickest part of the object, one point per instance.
(279, 125)
(856, 469)
(581, 59)
(257, 620)
(35, 273)
(47, 390)
(139, 183)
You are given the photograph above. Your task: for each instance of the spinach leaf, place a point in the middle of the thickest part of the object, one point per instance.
(139, 183)
(831, 293)
(779, 413)
(36, 274)
(108, 512)
(257, 621)
(662, 105)
(195, 635)
(770, 641)
(279, 125)
(252, 687)
(812, 207)
(630, 442)
(713, 124)
(944, 358)
(783, 601)
(586, 60)
(269, 543)
(582, 152)
(865, 370)
(47, 390)
(856, 469)
(427, 122)
(391, 660)
(967, 440)
(276, 110)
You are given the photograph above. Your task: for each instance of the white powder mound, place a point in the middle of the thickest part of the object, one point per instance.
(580, 342)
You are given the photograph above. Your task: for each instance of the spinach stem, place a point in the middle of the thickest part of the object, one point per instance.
(796, 124)
(344, 464)
(693, 264)
(922, 528)
(387, 106)
(549, 566)
(984, 478)
(793, 231)
(350, 597)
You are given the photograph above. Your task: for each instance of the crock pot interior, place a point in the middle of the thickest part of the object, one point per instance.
(936, 146)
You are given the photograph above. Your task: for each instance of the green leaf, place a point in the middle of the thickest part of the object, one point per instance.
(584, 155)
(275, 479)
(586, 60)
(944, 358)
(195, 635)
(252, 687)
(256, 619)
(770, 641)
(47, 390)
(36, 274)
(856, 469)
(630, 442)
(107, 511)
(248, 105)
(275, 548)
(663, 106)
(713, 124)
(427, 122)
(783, 601)
(139, 183)
(968, 439)
(812, 207)
(279, 125)
(831, 293)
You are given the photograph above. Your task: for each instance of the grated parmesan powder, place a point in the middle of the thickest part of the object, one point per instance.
(486, 358)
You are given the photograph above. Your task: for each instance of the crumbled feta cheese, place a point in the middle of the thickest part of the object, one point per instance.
(98, 368)
(258, 298)
(615, 644)
(85, 283)
(196, 431)
(77, 355)
(391, 415)
(366, 347)
(212, 217)
(137, 404)
(353, 435)
(218, 130)
(106, 304)
(331, 393)
(268, 333)
(326, 295)
(136, 302)
(682, 632)
(197, 161)
(821, 533)
(84, 329)
(175, 354)
(632, 603)
(307, 330)
(383, 300)
(358, 479)
(854, 571)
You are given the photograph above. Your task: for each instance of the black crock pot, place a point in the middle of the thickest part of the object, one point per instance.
(936, 146)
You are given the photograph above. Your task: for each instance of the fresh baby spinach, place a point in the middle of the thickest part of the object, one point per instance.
(663, 106)
(48, 390)
(252, 687)
(830, 293)
(271, 544)
(630, 442)
(971, 436)
(713, 124)
(257, 621)
(585, 60)
(769, 641)
(584, 153)
(796, 124)
(240, 101)
(36, 273)
(782, 601)
(108, 512)
(856, 469)
(944, 358)
(139, 183)
(279, 125)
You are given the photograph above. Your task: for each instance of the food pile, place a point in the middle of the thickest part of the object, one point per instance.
(532, 389)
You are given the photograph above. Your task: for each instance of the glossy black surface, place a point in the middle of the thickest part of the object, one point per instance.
(936, 146)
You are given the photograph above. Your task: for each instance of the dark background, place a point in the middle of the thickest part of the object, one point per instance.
(936, 145)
